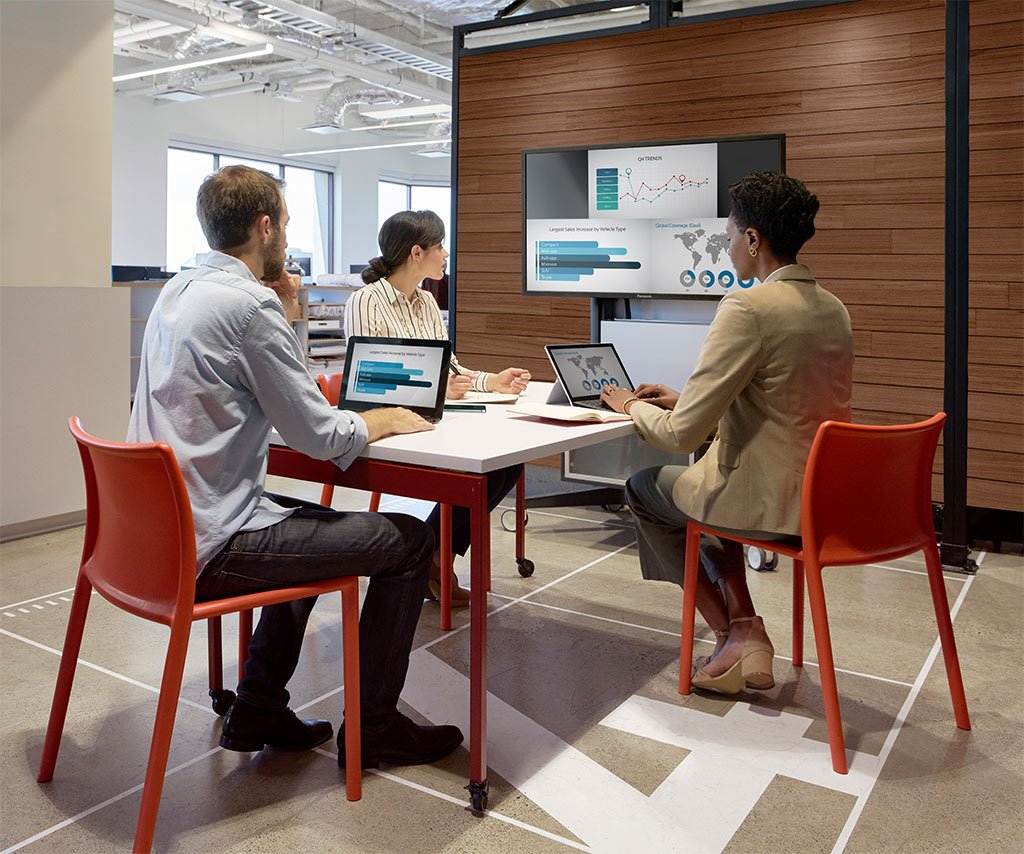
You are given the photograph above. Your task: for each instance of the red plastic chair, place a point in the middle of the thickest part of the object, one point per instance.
(866, 498)
(140, 555)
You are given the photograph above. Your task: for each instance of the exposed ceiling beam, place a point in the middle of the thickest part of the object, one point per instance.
(176, 15)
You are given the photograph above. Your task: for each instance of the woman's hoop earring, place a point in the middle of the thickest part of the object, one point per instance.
(753, 251)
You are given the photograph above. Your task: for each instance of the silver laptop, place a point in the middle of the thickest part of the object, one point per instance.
(583, 370)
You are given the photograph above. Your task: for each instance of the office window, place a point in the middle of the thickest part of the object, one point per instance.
(393, 197)
(185, 172)
(308, 192)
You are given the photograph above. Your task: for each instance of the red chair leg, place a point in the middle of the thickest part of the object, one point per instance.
(690, 570)
(327, 494)
(244, 636)
(446, 567)
(798, 613)
(163, 726)
(215, 655)
(65, 677)
(353, 742)
(826, 666)
(374, 502)
(941, 603)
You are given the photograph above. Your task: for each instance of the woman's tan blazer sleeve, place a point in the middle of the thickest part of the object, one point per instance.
(728, 360)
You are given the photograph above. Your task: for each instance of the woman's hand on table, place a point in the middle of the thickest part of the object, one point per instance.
(658, 394)
(458, 385)
(509, 381)
(616, 398)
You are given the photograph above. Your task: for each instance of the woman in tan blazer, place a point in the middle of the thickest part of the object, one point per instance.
(777, 361)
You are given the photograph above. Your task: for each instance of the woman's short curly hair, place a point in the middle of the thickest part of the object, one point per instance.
(781, 208)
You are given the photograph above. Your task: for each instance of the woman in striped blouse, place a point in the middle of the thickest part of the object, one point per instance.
(393, 305)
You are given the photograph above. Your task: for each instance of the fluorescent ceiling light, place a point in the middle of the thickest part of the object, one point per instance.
(179, 95)
(411, 110)
(368, 147)
(388, 125)
(208, 59)
(324, 128)
(433, 152)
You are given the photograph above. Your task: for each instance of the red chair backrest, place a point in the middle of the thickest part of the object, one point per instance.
(867, 490)
(140, 546)
(330, 386)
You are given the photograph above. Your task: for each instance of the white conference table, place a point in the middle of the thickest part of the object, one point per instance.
(449, 465)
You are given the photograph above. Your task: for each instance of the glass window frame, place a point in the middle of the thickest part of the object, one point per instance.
(409, 184)
(280, 165)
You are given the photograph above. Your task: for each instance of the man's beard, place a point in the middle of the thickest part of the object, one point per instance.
(273, 262)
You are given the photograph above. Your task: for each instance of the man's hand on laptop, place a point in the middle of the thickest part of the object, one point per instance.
(458, 385)
(391, 421)
(658, 394)
(509, 381)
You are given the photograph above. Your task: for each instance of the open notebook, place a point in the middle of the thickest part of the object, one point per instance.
(475, 398)
(558, 412)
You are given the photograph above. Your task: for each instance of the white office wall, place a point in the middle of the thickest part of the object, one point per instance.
(55, 70)
(253, 123)
(63, 329)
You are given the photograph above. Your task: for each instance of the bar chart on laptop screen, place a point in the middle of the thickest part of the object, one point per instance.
(399, 375)
(376, 377)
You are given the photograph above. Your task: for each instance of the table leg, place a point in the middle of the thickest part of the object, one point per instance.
(446, 567)
(525, 565)
(479, 561)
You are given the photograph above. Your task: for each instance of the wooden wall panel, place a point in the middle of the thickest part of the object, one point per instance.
(995, 459)
(859, 91)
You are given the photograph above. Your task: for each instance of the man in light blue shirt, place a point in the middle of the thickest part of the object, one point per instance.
(220, 367)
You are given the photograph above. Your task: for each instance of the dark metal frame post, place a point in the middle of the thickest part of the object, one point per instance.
(955, 547)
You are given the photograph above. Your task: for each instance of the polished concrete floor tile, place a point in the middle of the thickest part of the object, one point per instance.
(591, 745)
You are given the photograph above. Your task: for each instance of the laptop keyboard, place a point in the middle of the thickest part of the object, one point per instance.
(590, 404)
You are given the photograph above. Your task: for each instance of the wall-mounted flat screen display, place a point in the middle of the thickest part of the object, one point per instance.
(636, 220)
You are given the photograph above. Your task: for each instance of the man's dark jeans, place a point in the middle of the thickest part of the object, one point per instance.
(392, 549)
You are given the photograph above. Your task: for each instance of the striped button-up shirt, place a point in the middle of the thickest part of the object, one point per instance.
(380, 310)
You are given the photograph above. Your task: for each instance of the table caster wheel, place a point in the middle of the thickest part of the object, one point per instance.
(478, 797)
(525, 566)
(758, 560)
(222, 701)
(510, 526)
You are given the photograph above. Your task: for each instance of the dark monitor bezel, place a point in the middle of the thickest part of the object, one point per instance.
(430, 413)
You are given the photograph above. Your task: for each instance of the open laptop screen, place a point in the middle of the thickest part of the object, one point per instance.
(407, 372)
(584, 369)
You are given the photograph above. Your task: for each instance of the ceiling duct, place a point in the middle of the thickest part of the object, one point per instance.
(439, 141)
(330, 112)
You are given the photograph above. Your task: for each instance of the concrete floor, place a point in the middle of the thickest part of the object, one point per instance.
(590, 748)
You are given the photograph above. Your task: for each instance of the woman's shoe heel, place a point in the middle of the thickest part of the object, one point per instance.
(730, 682)
(757, 669)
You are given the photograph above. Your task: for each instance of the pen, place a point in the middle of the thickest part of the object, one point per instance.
(471, 407)
(452, 368)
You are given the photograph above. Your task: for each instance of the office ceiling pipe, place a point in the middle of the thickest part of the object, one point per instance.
(317, 57)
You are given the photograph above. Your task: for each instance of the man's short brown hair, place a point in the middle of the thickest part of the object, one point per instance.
(232, 199)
